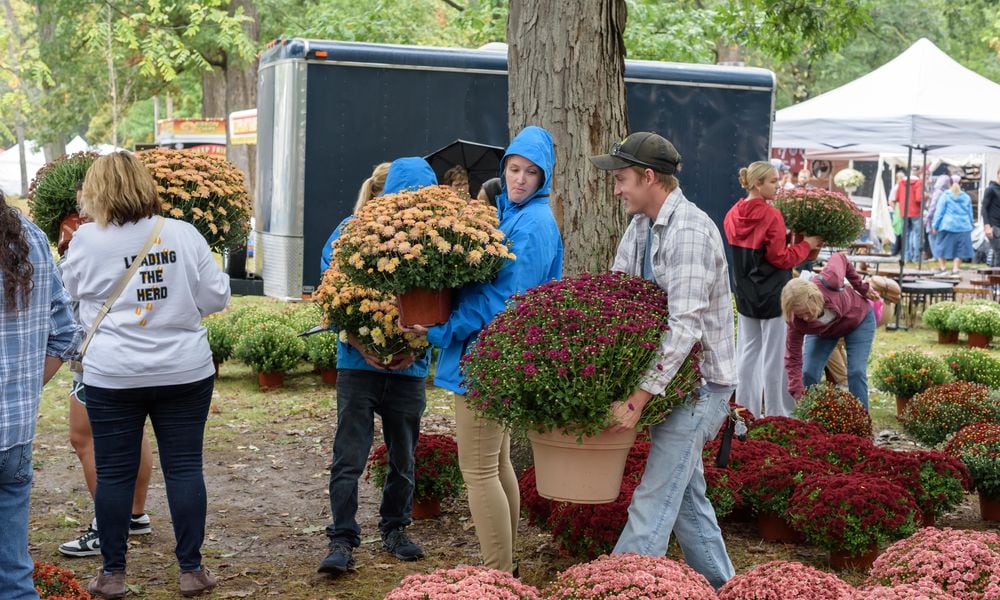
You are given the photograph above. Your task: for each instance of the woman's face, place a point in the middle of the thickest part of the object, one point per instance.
(523, 178)
(804, 314)
(768, 187)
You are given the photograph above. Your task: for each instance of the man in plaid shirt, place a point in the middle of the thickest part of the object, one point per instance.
(673, 243)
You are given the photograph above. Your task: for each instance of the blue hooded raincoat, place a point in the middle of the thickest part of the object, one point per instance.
(535, 241)
(404, 174)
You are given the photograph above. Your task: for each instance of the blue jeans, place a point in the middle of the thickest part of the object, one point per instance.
(400, 401)
(858, 344)
(16, 565)
(671, 496)
(117, 418)
(914, 238)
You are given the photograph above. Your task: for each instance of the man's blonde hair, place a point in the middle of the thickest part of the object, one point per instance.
(669, 182)
(801, 295)
(118, 189)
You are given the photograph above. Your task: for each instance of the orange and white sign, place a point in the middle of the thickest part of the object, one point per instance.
(243, 127)
(207, 131)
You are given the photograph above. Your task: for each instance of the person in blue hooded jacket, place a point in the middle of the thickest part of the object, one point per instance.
(483, 445)
(953, 225)
(397, 393)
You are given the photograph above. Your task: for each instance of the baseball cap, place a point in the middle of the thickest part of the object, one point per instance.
(643, 149)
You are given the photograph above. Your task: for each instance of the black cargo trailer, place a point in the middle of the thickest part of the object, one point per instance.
(329, 111)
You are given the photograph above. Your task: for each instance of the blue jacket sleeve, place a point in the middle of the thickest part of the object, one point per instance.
(535, 251)
(327, 255)
(944, 202)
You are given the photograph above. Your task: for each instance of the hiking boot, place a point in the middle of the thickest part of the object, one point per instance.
(87, 544)
(108, 585)
(140, 525)
(339, 560)
(197, 582)
(396, 542)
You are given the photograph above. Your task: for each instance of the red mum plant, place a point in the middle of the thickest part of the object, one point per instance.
(55, 583)
(563, 352)
(463, 583)
(852, 512)
(921, 590)
(781, 579)
(769, 487)
(722, 490)
(834, 410)
(901, 467)
(934, 414)
(970, 435)
(436, 473)
(815, 211)
(843, 451)
(745, 454)
(783, 431)
(630, 576)
(962, 562)
(944, 480)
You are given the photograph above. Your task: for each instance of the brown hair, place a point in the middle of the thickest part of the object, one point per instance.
(118, 189)
(754, 174)
(372, 186)
(668, 182)
(454, 174)
(16, 269)
(803, 295)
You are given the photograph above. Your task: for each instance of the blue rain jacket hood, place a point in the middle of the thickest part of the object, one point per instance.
(534, 238)
(404, 174)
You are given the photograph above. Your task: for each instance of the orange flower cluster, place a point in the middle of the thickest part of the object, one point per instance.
(429, 238)
(835, 410)
(204, 190)
(372, 316)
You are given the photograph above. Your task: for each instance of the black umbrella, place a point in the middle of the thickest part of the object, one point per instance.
(480, 160)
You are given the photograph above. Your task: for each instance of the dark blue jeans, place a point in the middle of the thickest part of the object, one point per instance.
(399, 400)
(117, 418)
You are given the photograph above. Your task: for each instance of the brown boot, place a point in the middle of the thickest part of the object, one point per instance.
(197, 582)
(109, 586)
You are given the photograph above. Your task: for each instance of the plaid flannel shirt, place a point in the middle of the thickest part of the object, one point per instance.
(689, 264)
(45, 327)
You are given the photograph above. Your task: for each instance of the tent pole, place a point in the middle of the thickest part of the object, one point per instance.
(923, 209)
(906, 232)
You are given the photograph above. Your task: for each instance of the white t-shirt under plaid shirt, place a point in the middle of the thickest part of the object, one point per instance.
(689, 264)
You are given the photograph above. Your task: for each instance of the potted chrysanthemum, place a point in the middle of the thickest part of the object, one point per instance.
(786, 579)
(975, 365)
(835, 410)
(934, 414)
(556, 360)
(813, 211)
(221, 339)
(849, 179)
(907, 373)
(420, 245)
(270, 348)
(970, 435)
(769, 488)
(980, 322)
(630, 576)
(983, 462)
(436, 474)
(936, 316)
(944, 481)
(784, 431)
(321, 351)
(463, 583)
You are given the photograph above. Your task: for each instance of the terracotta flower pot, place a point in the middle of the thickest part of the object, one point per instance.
(798, 237)
(773, 528)
(268, 381)
(947, 337)
(989, 508)
(901, 404)
(421, 306)
(978, 340)
(426, 509)
(842, 560)
(585, 473)
(329, 376)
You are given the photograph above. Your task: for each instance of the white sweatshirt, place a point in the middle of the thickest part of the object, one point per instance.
(153, 334)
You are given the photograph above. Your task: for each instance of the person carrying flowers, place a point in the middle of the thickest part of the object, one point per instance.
(483, 445)
(365, 386)
(673, 243)
(762, 265)
(823, 310)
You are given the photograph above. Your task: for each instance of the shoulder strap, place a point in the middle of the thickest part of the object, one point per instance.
(822, 280)
(106, 308)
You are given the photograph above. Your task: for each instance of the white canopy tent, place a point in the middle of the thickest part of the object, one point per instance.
(10, 166)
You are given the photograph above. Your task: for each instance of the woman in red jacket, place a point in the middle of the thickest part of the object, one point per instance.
(822, 310)
(762, 265)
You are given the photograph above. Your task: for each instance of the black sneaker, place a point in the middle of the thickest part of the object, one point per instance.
(87, 544)
(396, 543)
(339, 560)
(140, 525)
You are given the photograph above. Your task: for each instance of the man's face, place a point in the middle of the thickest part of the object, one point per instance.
(632, 189)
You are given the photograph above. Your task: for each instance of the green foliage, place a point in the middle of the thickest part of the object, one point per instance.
(52, 194)
(976, 318)
(975, 365)
(983, 462)
(270, 347)
(936, 315)
(321, 350)
(909, 372)
(932, 415)
(221, 338)
(302, 316)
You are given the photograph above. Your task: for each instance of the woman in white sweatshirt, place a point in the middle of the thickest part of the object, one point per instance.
(149, 357)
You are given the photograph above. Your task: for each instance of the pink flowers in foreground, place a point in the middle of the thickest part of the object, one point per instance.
(463, 583)
(630, 576)
(785, 580)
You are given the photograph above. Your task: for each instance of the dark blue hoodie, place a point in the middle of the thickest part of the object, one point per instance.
(534, 238)
(404, 174)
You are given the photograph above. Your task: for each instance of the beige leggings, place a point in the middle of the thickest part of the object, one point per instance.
(494, 499)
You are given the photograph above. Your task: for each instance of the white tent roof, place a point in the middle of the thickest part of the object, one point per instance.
(921, 98)
(10, 166)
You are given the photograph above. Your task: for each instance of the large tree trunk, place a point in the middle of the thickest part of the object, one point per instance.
(566, 74)
(213, 93)
(241, 94)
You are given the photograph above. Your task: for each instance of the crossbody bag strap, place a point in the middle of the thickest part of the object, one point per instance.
(120, 286)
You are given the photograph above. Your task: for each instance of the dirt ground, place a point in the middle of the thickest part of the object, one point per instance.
(266, 460)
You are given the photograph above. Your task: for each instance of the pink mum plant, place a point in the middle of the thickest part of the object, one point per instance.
(463, 583)
(630, 576)
(921, 590)
(785, 580)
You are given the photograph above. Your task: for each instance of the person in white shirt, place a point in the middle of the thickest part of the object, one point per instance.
(148, 358)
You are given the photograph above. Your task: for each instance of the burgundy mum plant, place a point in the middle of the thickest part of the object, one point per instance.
(436, 473)
(563, 352)
(463, 583)
(769, 487)
(842, 451)
(784, 431)
(781, 580)
(630, 576)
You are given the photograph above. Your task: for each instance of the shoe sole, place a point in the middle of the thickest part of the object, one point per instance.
(406, 558)
(192, 593)
(334, 570)
(79, 553)
(140, 531)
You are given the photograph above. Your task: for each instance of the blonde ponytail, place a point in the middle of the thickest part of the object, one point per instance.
(372, 186)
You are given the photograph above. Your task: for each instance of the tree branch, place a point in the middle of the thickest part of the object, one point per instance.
(453, 5)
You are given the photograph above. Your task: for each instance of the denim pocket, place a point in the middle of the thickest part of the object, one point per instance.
(15, 464)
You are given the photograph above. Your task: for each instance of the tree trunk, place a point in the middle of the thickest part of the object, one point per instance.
(566, 73)
(213, 93)
(241, 94)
